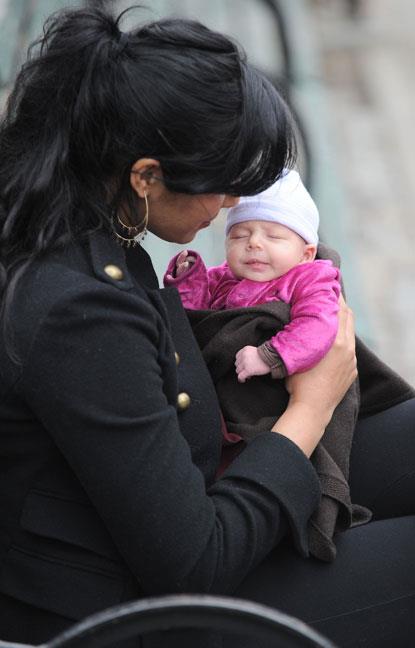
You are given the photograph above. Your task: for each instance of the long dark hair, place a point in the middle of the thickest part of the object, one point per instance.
(90, 101)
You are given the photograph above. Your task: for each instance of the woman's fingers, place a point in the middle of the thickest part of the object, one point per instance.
(346, 320)
(345, 339)
(323, 386)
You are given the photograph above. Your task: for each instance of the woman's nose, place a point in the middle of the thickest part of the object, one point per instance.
(230, 201)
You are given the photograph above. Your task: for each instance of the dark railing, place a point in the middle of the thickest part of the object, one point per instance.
(226, 614)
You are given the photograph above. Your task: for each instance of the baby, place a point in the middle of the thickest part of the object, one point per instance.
(271, 245)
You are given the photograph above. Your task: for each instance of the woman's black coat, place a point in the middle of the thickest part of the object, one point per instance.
(107, 485)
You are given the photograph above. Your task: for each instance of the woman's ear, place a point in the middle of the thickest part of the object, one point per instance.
(310, 252)
(144, 173)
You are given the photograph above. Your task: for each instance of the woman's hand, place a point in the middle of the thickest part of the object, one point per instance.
(314, 394)
(324, 385)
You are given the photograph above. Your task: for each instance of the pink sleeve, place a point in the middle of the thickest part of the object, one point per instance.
(195, 284)
(313, 291)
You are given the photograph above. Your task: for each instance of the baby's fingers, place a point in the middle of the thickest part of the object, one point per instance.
(242, 375)
(181, 258)
(181, 267)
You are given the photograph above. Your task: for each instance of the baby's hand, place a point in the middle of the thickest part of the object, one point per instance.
(248, 363)
(183, 262)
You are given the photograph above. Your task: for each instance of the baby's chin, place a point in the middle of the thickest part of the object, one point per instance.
(257, 274)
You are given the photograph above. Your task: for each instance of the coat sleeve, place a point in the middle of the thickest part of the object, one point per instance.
(196, 286)
(313, 293)
(193, 285)
(96, 379)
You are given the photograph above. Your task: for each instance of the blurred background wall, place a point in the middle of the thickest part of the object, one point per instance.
(345, 66)
(367, 59)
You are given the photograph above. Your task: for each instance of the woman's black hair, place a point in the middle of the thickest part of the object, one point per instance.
(90, 101)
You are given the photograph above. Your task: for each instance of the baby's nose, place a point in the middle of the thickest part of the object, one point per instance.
(254, 240)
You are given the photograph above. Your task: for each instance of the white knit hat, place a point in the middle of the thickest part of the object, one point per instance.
(286, 202)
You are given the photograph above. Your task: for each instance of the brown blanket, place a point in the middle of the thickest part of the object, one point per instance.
(252, 408)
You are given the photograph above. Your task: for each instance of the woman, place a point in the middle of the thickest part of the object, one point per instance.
(110, 426)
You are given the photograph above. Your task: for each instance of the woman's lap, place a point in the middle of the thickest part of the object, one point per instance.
(382, 465)
(366, 597)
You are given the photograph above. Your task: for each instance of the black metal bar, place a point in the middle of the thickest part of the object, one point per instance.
(190, 611)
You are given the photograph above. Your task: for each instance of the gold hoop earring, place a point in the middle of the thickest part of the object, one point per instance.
(134, 233)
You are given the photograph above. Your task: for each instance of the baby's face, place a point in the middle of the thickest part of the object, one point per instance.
(261, 251)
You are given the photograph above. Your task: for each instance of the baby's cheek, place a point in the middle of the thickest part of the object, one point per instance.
(232, 257)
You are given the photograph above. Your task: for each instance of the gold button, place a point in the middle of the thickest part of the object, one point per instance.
(114, 272)
(177, 357)
(183, 401)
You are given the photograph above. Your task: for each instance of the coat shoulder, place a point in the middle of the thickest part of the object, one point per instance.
(66, 282)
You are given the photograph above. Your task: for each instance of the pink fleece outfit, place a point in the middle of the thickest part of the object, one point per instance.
(312, 290)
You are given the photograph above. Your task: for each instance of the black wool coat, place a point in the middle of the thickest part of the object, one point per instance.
(110, 439)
